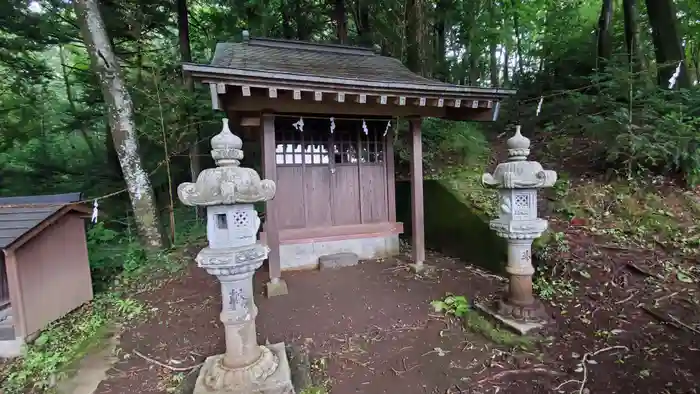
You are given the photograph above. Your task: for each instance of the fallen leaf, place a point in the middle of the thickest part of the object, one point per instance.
(683, 277)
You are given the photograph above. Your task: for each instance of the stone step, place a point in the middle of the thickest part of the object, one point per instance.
(337, 260)
(7, 332)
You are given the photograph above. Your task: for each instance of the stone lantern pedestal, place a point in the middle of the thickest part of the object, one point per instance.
(233, 254)
(517, 181)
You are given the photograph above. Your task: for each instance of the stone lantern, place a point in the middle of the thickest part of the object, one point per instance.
(233, 254)
(517, 181)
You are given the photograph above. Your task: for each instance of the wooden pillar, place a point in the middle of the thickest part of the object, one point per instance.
(417, 218)
(271, 227)
(19, 318)
(390, 176)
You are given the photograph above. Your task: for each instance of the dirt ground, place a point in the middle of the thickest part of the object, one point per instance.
(374, 327)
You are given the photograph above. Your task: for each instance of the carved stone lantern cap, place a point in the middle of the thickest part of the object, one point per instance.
(226, 147)
(518, 146)
(518, 172)
(228, 183)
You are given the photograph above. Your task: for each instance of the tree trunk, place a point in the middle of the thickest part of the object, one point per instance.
(183, 28)
(440, 38)
(411, 34)
(303, 29)
(667, 43)
(287, 30)
(474, 64)
(629, 8)
(518, 43)
(472, 50)
(506, 61)
(604, 48)
(121, 120)
(364, 30)
(115, 169)
(696, 61)
(493, 42)
(341, 22)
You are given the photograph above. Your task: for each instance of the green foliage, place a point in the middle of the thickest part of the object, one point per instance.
(66, 341)
(631, 125)
(550, 246)
(444, 143)
(111, 253)
(548, 289)
(459, 307)
(451, 305)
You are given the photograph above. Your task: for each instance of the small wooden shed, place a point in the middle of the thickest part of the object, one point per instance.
(44, 267)
(326, 116)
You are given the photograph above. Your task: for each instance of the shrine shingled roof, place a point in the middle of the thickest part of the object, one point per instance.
(304, 77)
(325, 60)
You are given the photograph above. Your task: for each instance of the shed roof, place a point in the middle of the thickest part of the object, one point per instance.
(20, 215)
(42, 199)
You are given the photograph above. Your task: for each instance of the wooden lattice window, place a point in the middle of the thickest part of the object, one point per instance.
(371, 145)
(316, 146)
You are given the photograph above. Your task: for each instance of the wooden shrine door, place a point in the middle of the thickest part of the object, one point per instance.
(329, 179)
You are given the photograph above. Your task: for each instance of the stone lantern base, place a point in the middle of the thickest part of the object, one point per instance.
(216, 378)
(521, 318)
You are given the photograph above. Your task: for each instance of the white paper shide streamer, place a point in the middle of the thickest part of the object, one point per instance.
(364, 127)
(388, 126)
(674, 77)
(94, 211)
(332, 124)
(299, 124)
(539, 106)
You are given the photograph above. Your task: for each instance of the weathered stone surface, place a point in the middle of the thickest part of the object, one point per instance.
(520, 327)
(300, 366)
(517, 181)
(228, 183)
(233, 255)
(278, 382)
(276, 288)
(337, 260)
(418, 268)
(187, 385)
(306, 255)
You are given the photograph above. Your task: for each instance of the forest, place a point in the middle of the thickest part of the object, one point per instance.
(597, 71)
(607, 90)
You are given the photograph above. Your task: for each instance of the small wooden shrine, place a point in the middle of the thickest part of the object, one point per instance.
(326, 116)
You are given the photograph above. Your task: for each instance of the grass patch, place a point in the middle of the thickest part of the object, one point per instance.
(459, 307)
(636, 214)
(66, 341)
(465, 181)
(477, 323)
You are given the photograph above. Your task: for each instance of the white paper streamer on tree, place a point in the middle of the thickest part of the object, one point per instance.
(386, 130)
(539, 106)
(94, 211)
(364, 127)
(299, 124)
(674, 77)
(332, 124)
